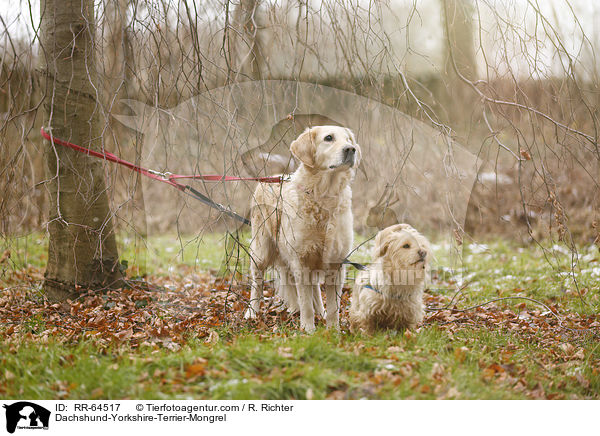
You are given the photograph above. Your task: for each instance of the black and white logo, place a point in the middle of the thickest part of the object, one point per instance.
(26, 415)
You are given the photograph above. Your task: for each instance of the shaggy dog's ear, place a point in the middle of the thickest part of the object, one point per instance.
(381, 244)
(383, 248)
(304, 148)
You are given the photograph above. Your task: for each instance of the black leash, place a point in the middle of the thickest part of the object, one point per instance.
(358, 266)
(204, 199)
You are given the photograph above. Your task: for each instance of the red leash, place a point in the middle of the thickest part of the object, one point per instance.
(156, 175)
(171, 178)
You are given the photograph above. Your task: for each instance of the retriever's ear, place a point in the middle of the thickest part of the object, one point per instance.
(358, 155)
(304, 148)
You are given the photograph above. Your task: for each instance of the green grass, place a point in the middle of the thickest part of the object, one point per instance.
(157, 254)
(161, 253)
(291, 365)
(501, 269)
(27, 250)
(464, 362)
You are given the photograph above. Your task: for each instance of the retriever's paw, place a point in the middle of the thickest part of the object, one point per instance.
(308, 327)
(320, 310)
(292, 310)
(250, 313)
(293, 306)
(333, 322)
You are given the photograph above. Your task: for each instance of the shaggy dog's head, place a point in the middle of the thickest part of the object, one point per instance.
(401, 248)
(327, 148)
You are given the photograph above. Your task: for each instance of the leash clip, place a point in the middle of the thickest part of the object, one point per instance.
(165, 176)
(285, 177)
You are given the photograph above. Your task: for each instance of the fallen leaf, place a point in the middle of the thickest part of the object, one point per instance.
(452, 393)
(285, 352)
(538, 392)
(125, 334)
(460, 354)
(567, 348)
(579, 354)
(213, 337)
(437, 372)
(336, 395)
(197, 369)
(5, 256)
(582, 380)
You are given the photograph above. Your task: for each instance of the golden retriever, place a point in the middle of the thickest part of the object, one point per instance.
(390, 293)
(304, 228)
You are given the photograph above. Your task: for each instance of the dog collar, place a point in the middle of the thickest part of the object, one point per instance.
(368, 286)
(394, 297)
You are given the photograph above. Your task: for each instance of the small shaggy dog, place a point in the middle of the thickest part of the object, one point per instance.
(304, 228)
(390, 293)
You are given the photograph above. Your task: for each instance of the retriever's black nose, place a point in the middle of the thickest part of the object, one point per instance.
(349, 150)
(422, 254)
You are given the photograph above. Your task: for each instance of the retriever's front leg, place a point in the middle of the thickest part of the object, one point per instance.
(304, 286)
(287, 288)
(307, 310)
(334, 279)
(318, 301)
(256, 291)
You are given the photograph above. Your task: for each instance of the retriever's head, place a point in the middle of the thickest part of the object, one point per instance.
(327, 148)
(401, 247)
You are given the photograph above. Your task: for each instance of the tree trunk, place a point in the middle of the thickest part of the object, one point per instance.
(459, 51)
(459, 61)
(82, 251)
(247, 51)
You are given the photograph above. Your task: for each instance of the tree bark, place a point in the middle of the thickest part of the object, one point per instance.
(459, 61)
(459, 51)
(246, 46)
(82, 253)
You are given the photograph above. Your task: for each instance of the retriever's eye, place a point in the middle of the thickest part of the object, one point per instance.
(328, 138)
(406, 246)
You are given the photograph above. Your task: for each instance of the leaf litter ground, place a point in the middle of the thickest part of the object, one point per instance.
(511, 346)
